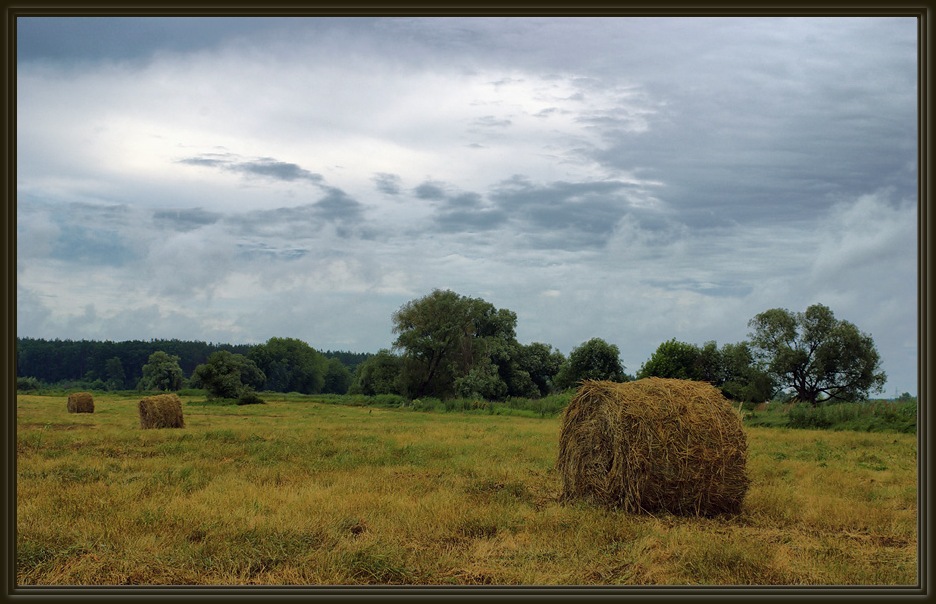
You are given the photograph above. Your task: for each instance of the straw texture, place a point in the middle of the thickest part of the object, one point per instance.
(80, 402)
(653, 445)
(161, 411)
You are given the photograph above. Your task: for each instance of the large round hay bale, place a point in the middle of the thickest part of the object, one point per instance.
(653, 445)
(161, 411)
(80, 402)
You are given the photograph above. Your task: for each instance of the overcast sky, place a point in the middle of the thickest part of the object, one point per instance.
(634, 179)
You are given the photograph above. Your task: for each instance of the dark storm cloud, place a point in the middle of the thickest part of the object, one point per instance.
(810, 119)
(77, 39)
(184, 220)
(388, 183)
(276, 170)
(564, 213)
(336, 208)
(432, 191)
(470, 220)
(264, 167)
(467, 212)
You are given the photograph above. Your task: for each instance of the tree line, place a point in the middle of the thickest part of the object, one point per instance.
(448, 345)
(452, 345)
(106, 365)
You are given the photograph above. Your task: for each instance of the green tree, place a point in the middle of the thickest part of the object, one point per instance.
(742, 379)
(673, 359)
(482, 381)
(592, 360)
(444, 335)
(815, 355)
(161, 372)
(534, 369)
(337, 377)
(114, 371)
(379, 374)
(228, 375)
(731, 368)
(290, 365)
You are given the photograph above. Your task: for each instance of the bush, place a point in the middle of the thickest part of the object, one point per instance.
(27, 384)
(249, 397)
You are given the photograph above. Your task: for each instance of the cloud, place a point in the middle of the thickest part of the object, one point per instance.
(433, 191)
(335, 208)
(490, 121)
(632, 179)
(388, 183)
(564, 214)
(264, 167)
(185, 219)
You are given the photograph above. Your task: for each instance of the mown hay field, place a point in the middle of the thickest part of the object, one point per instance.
(303, 493)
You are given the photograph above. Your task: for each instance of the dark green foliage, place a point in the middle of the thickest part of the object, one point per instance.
(815, 355)
(731, 368)
(161, 372)
(27, 384)
(337, 377)
(444, 335)
(226, 375)
(592, 360)
(379, 374)
(533, 369)
(741, 379)
(290, 365)
(249, 397)
(672, 359)
(351, 360)
(481, 381)
(114, 372)
(80, 363)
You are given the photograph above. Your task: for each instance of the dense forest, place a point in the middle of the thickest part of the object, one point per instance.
(119, 365)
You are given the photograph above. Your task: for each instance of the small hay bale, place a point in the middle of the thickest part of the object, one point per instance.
(161, 411)
(80, 402)
(653, 445)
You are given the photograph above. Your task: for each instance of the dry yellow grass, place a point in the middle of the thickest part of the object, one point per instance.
(299, 493)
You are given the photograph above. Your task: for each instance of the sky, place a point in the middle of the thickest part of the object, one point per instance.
(635, 179)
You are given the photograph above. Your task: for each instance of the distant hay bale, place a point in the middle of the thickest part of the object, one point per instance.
(80, 402)
(161, 411)
(653, 445)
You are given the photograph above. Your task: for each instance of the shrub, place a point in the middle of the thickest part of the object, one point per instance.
(249, 397)
(27, 384)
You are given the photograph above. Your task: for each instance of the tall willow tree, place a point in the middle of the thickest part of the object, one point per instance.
(445, 338)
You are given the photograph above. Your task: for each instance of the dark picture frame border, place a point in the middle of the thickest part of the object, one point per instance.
(922, 10)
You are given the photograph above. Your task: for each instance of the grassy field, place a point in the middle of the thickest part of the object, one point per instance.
(302, 493)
